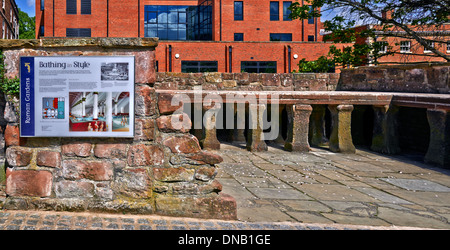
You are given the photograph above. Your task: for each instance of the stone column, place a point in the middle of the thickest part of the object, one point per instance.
(255, 137)
(239, 123)
(280, 138)
(197, 120)
(210, 140)
(341, 136)
(317, 136)
(385, 132)
(439, 147)
(297, 137)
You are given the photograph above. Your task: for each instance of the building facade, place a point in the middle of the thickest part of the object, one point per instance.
(10, 20)
(195, 36)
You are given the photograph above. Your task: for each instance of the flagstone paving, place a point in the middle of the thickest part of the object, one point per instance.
(365, 188)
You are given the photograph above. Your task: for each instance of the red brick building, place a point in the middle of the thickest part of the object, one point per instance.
(9, 26)
(199, 35)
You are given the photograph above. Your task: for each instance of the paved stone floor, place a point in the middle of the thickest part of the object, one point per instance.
(299, 191)
(365, 188)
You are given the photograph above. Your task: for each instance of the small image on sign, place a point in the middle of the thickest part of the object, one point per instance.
(53, 108)
(114, 72)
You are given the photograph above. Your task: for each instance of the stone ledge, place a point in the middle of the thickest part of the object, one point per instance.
(80, 42)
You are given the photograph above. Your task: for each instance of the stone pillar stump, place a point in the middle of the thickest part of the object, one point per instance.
(317, 136)
(255, 137)
(385, 132)
(297, 137)
(341, 136)
(210, 140)
(439, 147)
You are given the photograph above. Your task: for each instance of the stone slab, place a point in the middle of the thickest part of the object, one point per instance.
(417, 184)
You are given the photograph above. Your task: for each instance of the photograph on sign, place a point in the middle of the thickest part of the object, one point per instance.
(77, 96)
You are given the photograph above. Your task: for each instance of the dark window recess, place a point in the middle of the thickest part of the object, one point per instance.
(198, 66)
(42, 5)
(71, 32)
(41, 31)
(286, 11)
(259, 67)
(238, 10)
(71, 7)
(239, 37)
(280, 37)
(310, 38)
(85, 7)
(274, 11)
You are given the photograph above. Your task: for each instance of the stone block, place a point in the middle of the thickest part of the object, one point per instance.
(169, 103)
(48, 159)
(220, 206)
(18, 156)
(341, 137)
(205, 173)
(134, 183)
(204, 157)
(174, 123)
(185, 144)
(110, 150)
(271, 80)
(81, 149)
(213, 77)
(173, 174)
(297, 137)
(145, 104)
(145, 155)
(12, 136)
(439, 147)
(144, 129)
(92, 170)
(29, 183)
(74, 189)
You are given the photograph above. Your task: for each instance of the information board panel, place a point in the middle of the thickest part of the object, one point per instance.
(77, 96)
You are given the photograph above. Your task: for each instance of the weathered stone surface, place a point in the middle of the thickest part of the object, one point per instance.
(144, 129)
(110, 150)
(385, 138)
(174, 123)
(48, 159)
(81, 149)
(341, 137)
(255, 137)
(18, 156)
(210, 140)
(12, 136)
(74, 189)
(168, 103)
(28, 183)
(145, 155)
(204, 157)
(134, 183)
(186, 144)
(173, 174)
(145, 104)
(316, 134)
(205, 173)
(92, 170)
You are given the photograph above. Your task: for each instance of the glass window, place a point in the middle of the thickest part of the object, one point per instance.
(405, 46)
(198, 66)
(310, 38)
(169, 22)
(259, 67)
(71, 32)
(85, 7)
(280, 36)
(286, 11)
(274, 11)
(238, 11)
(239, 36)
(71, 7)
(431, 44)
(42, 4)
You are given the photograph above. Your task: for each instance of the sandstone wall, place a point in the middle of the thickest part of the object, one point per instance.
(161, 170)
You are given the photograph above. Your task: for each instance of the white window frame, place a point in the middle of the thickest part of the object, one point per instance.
(408, 46)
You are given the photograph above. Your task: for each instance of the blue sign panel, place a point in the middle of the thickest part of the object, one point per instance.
(27, 111)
